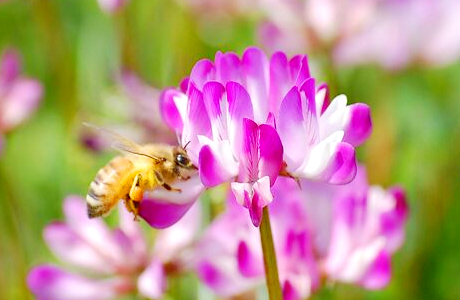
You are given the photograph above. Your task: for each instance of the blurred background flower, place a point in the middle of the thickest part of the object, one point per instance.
(322, 234)
(19, 95)
(390, 33)
(118, 261)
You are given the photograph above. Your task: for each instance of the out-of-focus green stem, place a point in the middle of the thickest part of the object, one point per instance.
(271, 267)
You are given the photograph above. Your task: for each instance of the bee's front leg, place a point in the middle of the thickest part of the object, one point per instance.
(161, 182)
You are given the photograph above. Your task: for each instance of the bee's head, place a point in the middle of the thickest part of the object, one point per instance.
(182, 160)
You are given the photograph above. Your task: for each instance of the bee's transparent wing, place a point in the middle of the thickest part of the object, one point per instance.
(121, 143)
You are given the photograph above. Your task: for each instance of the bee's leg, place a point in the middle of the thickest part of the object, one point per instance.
(161, 182)
(135, 195)
(136, 192)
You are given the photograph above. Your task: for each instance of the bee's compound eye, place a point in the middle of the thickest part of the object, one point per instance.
(182, 160)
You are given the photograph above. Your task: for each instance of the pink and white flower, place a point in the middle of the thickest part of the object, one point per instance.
(112, 263)
(245, 120)
(19, 95)
(365, 226)
(342, 233)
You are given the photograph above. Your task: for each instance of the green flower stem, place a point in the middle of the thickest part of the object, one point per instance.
(271, 268)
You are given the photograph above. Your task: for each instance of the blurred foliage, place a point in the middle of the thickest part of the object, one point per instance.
(76, 50)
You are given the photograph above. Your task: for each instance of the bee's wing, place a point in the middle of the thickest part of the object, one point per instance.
(121, 143)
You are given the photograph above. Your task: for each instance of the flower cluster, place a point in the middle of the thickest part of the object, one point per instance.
(118, 262)
(321, 232)
(266, 128)
(19, 95)
(390, 33)
(247, 120)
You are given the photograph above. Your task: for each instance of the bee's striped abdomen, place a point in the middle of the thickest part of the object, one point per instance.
(108, 186)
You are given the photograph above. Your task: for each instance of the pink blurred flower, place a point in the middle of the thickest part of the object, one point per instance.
(404, 32)
(342, 233)
(391, 33)
(19, 95)
(356, 229)
(138, 104)
(112, 6)
(145, 108)
(246, 120)
(109, 263)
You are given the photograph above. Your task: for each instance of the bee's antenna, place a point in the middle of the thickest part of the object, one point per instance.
(187, 144)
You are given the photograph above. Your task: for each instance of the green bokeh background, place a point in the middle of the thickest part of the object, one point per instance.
(75, 50)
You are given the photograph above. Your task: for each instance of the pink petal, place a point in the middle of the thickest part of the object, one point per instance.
(213, 93)
(228, 67)
(330, 161)
(359, 125)
(249, 264)
(262, 152)
(249, 158)
(170, 242)
(152, 282)
(299, 69)
(335, 117)
(379, 274)
(51, 283)
(198, 120)
(242, 192)
(183, 85)
(134, 233)
(271, 153)
(308, 90)
(216, 164)
(223, 277)
(291, 129)
(215, 254)
(22, 98)
(254, 196)
(256, 69)
(342, 166)
(308, 96)
(290, 291)
(162, 208)
(93, 231)
(271, 120)
(72, 248)
(169, 111)
(202, 72)
(323, 91)
(280, 81)
(160, 214)
(393, 221)
(239, 107)
(10, 66)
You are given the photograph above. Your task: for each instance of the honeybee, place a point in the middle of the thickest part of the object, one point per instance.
(141, 168)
